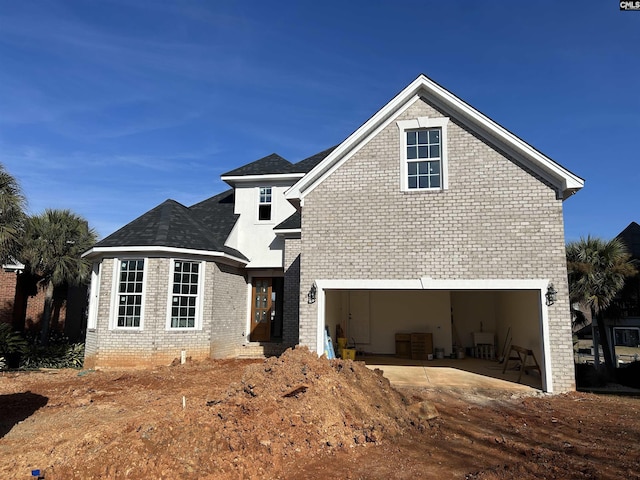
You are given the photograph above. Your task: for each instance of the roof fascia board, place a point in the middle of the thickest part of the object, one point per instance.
(261, 178)
(348, 148)
(288, 232)
(566, 180)
(484, 125)
(557, 181)
(103, 251)
(14, 266)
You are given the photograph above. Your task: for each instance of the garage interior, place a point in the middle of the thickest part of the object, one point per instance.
(465, 329)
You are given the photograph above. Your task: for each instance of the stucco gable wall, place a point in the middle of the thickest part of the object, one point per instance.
(496, 221)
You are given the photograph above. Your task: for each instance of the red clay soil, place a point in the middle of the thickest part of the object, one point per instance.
(297, 417)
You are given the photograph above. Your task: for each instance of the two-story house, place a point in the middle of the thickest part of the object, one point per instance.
(623, 316)
(430, 217)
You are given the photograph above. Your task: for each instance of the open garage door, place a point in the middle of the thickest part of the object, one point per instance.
(458, 319)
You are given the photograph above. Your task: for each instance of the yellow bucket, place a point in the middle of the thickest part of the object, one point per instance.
(342, 343)
(348, 353)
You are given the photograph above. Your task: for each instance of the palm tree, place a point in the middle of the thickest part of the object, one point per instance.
(12, 205)
(597, 270)
(53, 243)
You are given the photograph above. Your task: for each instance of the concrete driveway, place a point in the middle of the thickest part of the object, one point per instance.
(468, 373)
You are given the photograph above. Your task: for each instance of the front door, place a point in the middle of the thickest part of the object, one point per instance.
(261, 308)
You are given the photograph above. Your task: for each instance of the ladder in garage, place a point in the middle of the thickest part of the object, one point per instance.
(522, 355)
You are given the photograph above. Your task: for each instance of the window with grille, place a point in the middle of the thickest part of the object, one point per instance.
(424, 159)
(264, 205)
(130, 293)
(184, 298)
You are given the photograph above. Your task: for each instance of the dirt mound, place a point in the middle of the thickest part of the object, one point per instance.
(221, 420)
(301, 402)
(282, 410)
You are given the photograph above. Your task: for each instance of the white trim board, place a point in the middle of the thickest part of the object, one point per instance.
(279, 177)
(426, 283)
(425, 87)
(174, 251)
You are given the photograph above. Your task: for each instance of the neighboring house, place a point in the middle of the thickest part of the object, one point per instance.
(22, 304)
(430, 217)
(623, 317)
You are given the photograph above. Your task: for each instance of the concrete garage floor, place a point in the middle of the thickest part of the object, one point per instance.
(469, 373)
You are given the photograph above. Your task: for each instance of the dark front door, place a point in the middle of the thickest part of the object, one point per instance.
(261, 308)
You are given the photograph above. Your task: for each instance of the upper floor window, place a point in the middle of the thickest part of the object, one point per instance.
(130, 293)
(264, 205)
(184, 294)
(423, 158)
(424, 154)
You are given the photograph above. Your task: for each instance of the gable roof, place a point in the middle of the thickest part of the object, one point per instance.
(566, 182)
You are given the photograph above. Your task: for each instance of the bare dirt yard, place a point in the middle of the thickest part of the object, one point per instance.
(297, 417)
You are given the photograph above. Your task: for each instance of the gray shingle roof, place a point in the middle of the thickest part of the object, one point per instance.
(205, 226)
(631, 237)
(271, 164)
(294, 221)
(306, 165)
(216, 214)
(170, 224)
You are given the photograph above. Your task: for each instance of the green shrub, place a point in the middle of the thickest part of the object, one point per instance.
(10, 341)
(59, 353)
(12, 346)
(53, 356)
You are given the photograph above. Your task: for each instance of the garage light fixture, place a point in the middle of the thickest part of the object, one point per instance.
(311, 296)
(551, 295)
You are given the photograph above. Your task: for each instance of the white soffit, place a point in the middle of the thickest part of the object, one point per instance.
(149, 250)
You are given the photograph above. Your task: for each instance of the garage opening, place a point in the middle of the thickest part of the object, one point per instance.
(461, 325)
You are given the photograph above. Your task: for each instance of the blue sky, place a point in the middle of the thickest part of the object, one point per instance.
(110, 107)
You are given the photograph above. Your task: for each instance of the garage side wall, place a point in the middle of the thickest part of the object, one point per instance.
(497, 220)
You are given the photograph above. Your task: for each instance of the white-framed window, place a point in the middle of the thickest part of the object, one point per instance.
(130, 293)
(264, 203)
(185, 294)
(423, 155)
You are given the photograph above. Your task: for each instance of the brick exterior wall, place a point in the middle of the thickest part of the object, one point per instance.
(223, 310)
(229, 311)
(8, 282)
(292, 292)
(496, 221)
